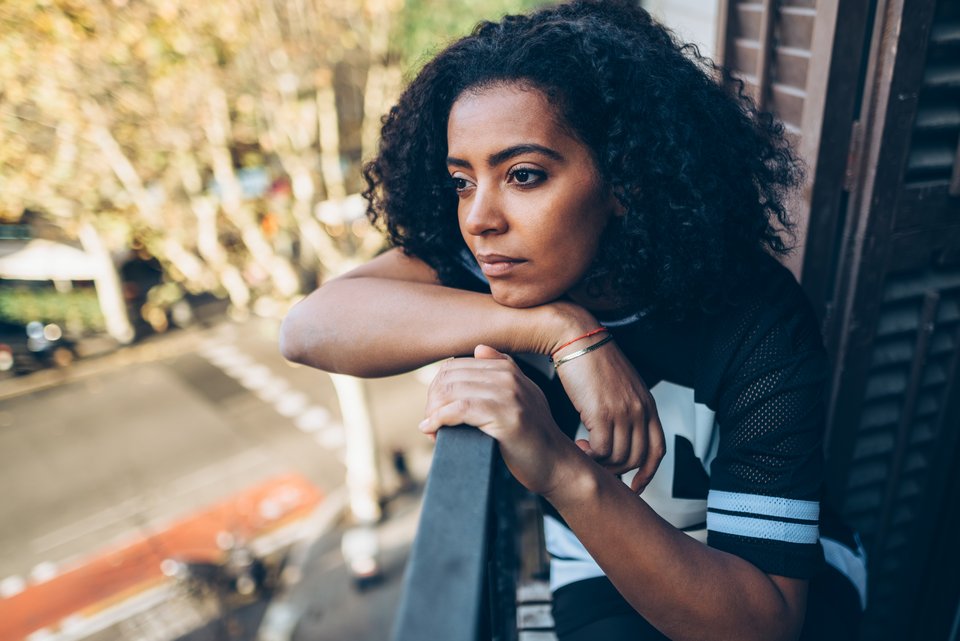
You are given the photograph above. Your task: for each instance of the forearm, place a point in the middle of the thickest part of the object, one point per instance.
(369, 326)
(684, 588)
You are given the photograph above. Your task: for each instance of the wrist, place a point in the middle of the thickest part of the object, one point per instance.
(567, 321)
(574, 479)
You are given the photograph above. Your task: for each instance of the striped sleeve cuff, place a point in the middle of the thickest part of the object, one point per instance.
(778, 535)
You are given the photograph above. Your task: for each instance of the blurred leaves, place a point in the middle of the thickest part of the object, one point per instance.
(225, 136)
(426, 26)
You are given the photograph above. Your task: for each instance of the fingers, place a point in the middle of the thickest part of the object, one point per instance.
(622, 449)
(601, 442)
(462, 411)
(487, 389)
(478, 374)
(584, 445)
(656, 449)
(485, 352)
(615, 446)
(639, 446)
(636, 446)
(476, 387)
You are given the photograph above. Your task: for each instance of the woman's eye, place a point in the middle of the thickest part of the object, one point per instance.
(459, 184)
(527, 177)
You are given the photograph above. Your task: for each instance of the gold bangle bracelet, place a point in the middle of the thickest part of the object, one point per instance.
(585, 350)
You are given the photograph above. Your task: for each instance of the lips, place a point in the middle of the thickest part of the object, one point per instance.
(497, 264)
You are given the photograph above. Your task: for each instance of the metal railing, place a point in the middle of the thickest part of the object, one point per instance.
(460, 582)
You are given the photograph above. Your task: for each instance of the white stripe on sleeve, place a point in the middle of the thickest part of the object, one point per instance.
(774, 506)
(762, 528)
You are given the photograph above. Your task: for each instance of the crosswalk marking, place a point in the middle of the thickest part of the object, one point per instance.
(287, 401)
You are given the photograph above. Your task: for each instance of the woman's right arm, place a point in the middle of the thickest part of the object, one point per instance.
(392, 315)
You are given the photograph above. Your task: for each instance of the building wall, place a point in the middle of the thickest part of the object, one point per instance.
(693, 20)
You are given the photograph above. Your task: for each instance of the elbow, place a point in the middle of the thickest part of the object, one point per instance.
(302, 337)
(306, 340)
(786, 626)
(291, 344)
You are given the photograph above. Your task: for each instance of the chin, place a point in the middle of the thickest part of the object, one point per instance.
(518, 299)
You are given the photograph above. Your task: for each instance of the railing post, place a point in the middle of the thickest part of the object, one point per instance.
(446, 577)
(504, 564)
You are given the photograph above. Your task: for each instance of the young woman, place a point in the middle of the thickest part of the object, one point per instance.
(588, 221)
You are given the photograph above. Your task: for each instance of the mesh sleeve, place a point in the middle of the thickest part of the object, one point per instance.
(765, 480)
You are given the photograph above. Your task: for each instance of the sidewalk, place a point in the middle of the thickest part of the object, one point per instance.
(326, 604)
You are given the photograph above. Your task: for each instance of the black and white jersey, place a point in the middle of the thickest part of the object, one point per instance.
(740, 394)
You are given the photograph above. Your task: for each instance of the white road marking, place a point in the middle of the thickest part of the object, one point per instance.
(218, 350)
(291, 403)
(313, 419)
(82, 627)
(72, 623)
(273, 390)
(12, 586)
(331, 437)
(237, 370)
(43, 572)
(270, 509)
(256, 376)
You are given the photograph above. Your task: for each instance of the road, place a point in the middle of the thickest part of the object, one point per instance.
(118, 454)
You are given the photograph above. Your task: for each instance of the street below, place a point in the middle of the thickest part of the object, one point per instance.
(207, 433)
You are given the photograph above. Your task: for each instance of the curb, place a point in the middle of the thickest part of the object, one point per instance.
(166, 346)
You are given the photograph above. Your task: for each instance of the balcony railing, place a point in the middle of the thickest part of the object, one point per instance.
(461, 579)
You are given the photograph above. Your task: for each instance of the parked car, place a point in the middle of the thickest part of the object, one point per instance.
(25, 349)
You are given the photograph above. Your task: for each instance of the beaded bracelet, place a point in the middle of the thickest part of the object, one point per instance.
(585, 350)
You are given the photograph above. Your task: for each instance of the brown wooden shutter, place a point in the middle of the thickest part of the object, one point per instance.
(895, 418)
(799, 59)
(880, 223)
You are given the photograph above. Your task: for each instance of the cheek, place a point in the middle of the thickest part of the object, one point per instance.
(583, 229)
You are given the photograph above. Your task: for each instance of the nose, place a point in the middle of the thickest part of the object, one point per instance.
(483, 214)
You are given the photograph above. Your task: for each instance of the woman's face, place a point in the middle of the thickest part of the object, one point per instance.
(531, 203)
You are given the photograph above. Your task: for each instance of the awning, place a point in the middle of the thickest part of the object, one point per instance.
(41, 259)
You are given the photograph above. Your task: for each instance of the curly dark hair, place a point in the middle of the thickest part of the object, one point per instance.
(701, 174)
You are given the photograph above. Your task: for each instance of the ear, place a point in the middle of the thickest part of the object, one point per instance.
(619, 211)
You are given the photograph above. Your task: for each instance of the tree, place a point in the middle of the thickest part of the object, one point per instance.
(225, 136)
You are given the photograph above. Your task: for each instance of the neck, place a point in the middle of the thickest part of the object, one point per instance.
(594, 301)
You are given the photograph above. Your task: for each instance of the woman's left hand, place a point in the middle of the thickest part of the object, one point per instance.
(490, 393)
(618, 410)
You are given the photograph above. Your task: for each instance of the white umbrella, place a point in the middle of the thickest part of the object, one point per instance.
(43, 259)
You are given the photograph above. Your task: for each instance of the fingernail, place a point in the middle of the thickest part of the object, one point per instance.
(423, 425)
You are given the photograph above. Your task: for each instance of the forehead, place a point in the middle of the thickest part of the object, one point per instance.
(497, 117)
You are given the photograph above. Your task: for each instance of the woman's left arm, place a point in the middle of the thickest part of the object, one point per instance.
(682, 587)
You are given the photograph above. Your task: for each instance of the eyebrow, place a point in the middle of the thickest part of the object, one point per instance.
(495, 159)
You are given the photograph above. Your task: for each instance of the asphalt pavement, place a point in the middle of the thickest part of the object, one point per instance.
(150, 443)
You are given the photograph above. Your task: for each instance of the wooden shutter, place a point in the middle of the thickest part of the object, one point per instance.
(896, 402)
(799, 59)
(880, 259)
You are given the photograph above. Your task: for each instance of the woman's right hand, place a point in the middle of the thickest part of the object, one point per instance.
(615, 406)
